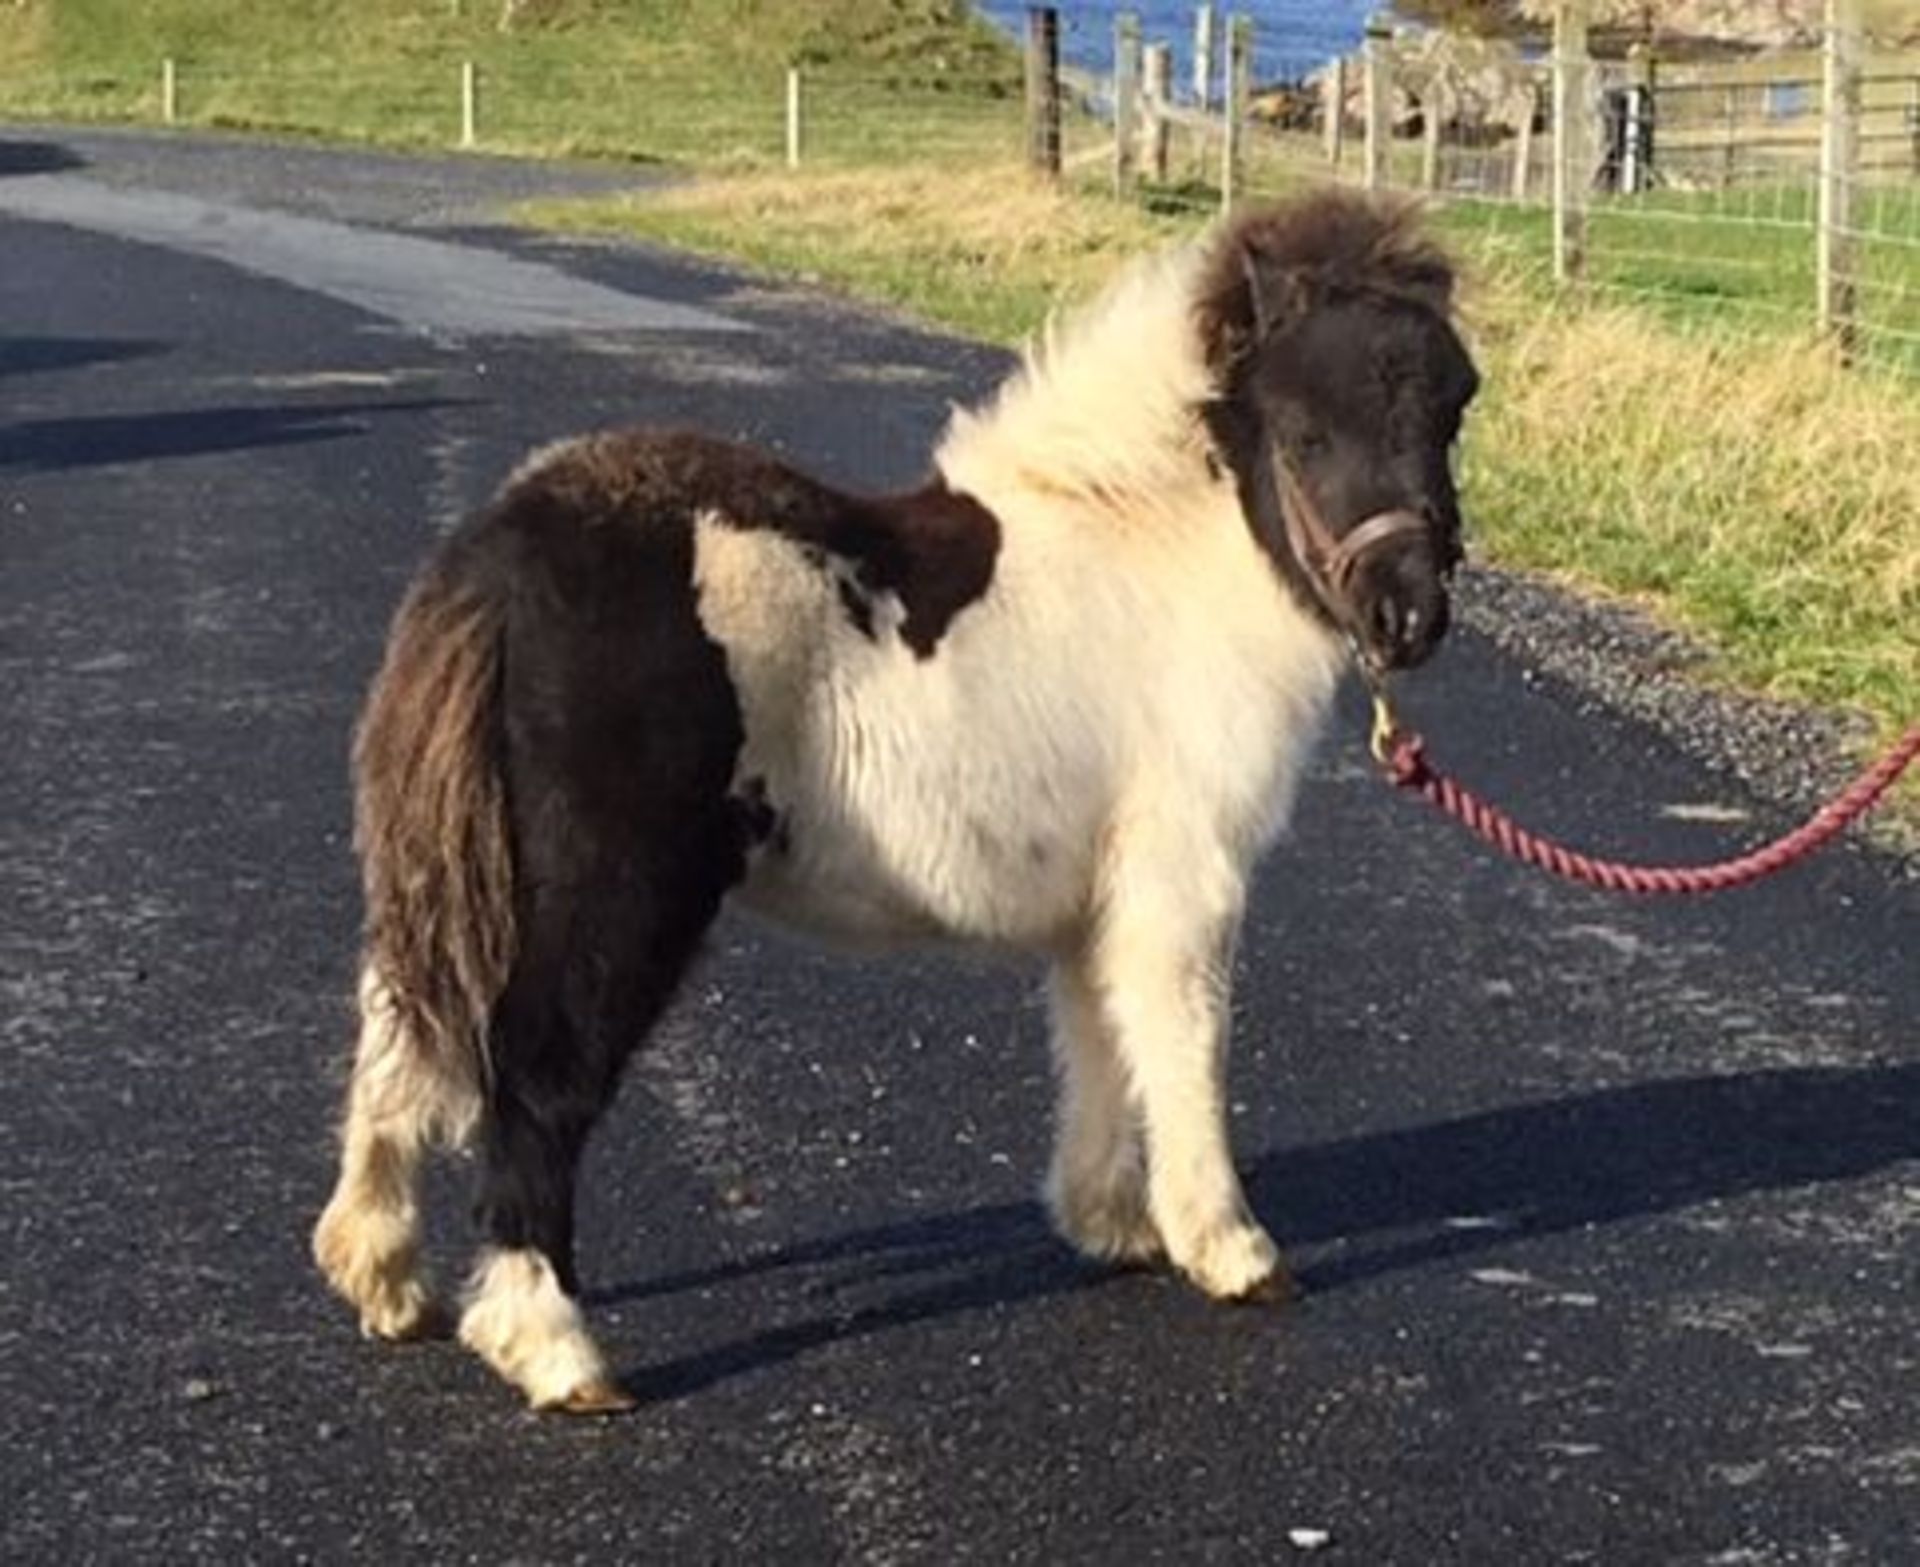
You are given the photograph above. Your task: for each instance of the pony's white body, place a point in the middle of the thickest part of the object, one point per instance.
(1136, 681)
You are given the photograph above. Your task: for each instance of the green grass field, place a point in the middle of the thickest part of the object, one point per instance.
(700, 81)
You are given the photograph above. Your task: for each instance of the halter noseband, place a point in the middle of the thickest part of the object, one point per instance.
(1329, 562)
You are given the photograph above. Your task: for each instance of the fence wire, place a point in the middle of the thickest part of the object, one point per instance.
(1701, 199)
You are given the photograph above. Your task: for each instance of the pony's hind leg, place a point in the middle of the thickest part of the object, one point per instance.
(367, 1242)
(594, 974)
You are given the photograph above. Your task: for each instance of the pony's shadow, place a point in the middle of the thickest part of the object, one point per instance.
(26, 355)
(56, 445)
(37, 157)
(1372, 1205)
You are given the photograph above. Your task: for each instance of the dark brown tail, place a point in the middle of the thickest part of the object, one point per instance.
(430, 824)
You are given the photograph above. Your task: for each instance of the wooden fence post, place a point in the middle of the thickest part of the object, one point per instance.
(1839, 169)
(1158, 93)
(1126, 102)
(1523, 143)
(1205, 29)
(469, 104)
(793, 117)
(1433, 109)
(1233, 109)
(1333, 90)
(1378, 93)
(169, 92)
(1570, 162)
(1043, 90)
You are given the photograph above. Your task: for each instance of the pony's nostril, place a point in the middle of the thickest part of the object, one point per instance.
(1390, 622)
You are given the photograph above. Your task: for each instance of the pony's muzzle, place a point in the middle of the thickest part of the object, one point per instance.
(1402, 604)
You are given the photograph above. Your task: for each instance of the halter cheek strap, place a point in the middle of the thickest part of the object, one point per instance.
(1331, 562)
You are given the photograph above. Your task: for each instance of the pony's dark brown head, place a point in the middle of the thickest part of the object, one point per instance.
(1328, 322)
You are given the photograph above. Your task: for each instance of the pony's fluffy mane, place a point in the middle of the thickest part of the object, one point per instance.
(1103, 407)
(1275, 264)
(1107, 406)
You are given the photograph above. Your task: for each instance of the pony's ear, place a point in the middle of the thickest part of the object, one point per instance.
(1278, 293)
(1253, 297)
(1425, 274)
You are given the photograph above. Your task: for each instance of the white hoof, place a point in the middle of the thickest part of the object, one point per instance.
(371, 1258)
(528, 1329)
(1236, 1262)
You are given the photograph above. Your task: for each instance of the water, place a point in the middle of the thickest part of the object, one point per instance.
(1290, 37)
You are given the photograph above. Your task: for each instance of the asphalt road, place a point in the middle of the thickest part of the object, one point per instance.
(1607, 1211)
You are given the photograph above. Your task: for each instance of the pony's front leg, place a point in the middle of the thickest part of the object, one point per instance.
(1097, 1186)
(1164, 959)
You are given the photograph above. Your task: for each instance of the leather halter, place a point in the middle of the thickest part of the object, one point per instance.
(1329, 561)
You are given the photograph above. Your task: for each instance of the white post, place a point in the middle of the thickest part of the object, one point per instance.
(793, 118)
(1233, 109)
(1523, 144)
(1158, 92)
(1334, 89)
(1569, 140)
(169, 92)
(1379, 89)
(1204, 30)
(1839, 169)
(1126, 101)
(469, 104)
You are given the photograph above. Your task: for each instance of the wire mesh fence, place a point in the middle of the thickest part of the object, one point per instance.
(1694, 189)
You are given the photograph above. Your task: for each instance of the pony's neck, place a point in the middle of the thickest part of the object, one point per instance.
(1105, 413)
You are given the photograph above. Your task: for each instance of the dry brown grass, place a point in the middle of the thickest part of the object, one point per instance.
(988, 250)
(1755, 491)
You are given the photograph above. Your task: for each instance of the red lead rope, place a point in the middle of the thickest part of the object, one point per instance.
(1404, 757)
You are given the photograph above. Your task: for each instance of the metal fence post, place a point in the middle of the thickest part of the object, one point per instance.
(469, 103)
(1158, 93)
(1126, 102)
(1913, 122)
(1569, 140)
(793, 117)
(1043, 90)
(1730, 114)
(1839, 169)
(1636, 171)
(1233, 109)
(169, 92)
(1205, 28)
(1379, 90)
